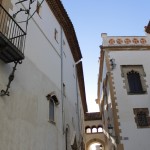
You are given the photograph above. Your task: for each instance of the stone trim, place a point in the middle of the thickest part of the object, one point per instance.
(137, 68)
(114, 102)
(127, 48)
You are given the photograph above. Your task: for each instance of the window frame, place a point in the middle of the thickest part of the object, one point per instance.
(125, 69)
(138, 118)
(134, 82)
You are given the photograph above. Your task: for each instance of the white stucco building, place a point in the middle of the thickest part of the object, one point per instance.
(123, 91)
(46, 103)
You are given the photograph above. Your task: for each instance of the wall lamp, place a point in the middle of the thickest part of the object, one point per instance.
(112, 63)
(110, 131)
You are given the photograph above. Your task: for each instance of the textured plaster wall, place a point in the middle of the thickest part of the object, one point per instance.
(24, 114)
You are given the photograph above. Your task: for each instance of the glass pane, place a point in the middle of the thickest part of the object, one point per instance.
(51, 110)
(134, 82)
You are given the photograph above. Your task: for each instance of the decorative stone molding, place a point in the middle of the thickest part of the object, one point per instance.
(127, 41)
(115, 109)
(138, 68)
(119, 41)
(130, 40)
(111, 41)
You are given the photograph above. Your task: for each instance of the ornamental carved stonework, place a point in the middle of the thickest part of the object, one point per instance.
(111, 41)
(135, 41)
(127, 41)
(119, 41)
(143, 41)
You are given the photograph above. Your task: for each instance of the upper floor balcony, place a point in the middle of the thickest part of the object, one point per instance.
(12, 38)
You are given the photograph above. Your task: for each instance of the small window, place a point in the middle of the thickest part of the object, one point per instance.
(88, 130)
(53, 101)
(141, 117)
(100, 129)
(64, 89)
(94, 130)
(51, 110)
(56, 35)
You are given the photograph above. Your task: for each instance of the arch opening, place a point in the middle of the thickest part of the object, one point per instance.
(96, 146)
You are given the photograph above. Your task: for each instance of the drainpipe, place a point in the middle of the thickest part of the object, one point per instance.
(62, 94)
(78, 111)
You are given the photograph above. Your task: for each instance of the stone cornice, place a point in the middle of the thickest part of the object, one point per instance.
(126, 48)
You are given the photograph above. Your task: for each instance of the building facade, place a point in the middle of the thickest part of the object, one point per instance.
(123, 91)
(42, 99)
(94, 135)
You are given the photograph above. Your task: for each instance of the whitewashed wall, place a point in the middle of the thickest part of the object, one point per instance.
(24, 114)
(138, 138)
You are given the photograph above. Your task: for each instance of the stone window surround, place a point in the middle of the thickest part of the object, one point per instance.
(137, 68)
(52, 98)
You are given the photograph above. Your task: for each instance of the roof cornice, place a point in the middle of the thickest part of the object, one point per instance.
(126, 48)
(82, 86)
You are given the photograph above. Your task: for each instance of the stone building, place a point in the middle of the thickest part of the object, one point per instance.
(42, 99)
(123, 91)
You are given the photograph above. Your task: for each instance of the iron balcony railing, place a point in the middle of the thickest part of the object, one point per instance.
(12, 38)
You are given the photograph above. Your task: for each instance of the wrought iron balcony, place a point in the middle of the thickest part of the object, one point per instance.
(12, 38)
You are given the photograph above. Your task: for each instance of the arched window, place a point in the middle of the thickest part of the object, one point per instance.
(88, 130)
(52, 102)
(134, 81)
(94, 129)
(100, 129)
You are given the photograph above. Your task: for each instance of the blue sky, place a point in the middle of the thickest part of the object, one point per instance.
(90, 18)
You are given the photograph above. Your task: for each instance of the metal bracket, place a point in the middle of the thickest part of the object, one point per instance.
(10, 79)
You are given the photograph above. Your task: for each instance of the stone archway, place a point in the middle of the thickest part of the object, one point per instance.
(94, 130)
(94, 140)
